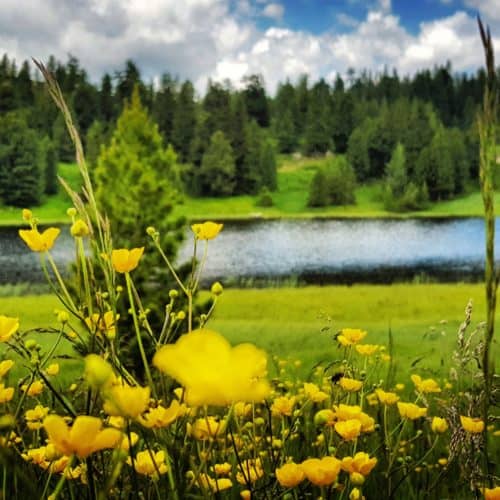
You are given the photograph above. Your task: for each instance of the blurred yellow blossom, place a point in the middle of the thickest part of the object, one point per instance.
(6, 393)
(52, 369)
(283, 406)
(103, 324)
(5, 366)
(321, 472)
(39, 242)
(249, 471)
(124, 400)
(472, 425)
(149, 463)
(207, 427)
(8, 326)
(212, 371)
(290, 475)
(124, 260)
(86, 435)
(161, 417)
(206, 231)
(79, 229)
(223, 469)
(34, 418)
(359, 465)
(351, 336)
(386, 398)
(33, 389)
(206, 482)
(439, 425)
(367, 349)
(411, 411)
(350, 384)
(491, 493)
(348, 429)
(313, 393)
(425, 386)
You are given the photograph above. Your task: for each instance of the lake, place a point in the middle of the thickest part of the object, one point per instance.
(310, 251)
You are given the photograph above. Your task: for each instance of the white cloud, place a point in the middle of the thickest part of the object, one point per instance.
(199, 39)
(489, 9)
(274, 11)
(346, 20)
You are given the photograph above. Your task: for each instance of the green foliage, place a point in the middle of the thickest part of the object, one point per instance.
(333, 184)
(97, 136)
(268, 168)
(184, 121)
(265, 198)
(317, 138)
(49, 160)
(137, 179)
(20, 168)
(217, 171)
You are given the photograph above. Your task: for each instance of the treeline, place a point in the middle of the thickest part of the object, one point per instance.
(417, 134)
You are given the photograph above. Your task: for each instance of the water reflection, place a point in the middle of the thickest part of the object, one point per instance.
(318, 250)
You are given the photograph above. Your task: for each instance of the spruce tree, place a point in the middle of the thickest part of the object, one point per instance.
(184, 121)
(268, 168)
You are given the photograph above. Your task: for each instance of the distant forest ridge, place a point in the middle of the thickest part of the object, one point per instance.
(417, 133)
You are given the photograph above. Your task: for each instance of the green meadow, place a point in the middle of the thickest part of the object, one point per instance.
(299, 323)
(290, 200)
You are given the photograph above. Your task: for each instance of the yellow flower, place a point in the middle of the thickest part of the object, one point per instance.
(206, 428)
(79, 229)
(472, 425)
(84, 437)
(125, 401)
(242, 409)
(411, 411)
(98, 371)
(399, 387)
(443, 462)
(35, 417)
(27, 214)
(149, 463)
(386, 398)
(492, 493)
(6, 393)
(283, 406)
(34, 389)
(321, 472)
(206, 231)
(8, 326)
(161, 417)
(367, 349)
(103, 324)
(249, 471)
(124, 260)
(361, 464)
(324, 417)
(439, 425)
(348, 429)
(39, 242)
(350, 384)
(425, 386)
(223, 469)
(245, 494)
(290, 475)
(213, 372)
(52, 369)
(372, 399)
(206, 482)
(5, 366)
(313, 393)
(347, 412)
(356, 494)
(351, 336)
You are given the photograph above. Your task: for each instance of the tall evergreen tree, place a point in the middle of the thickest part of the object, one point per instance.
(106, 99)
(268, 167)
(184, 121)
(164, 106)
(317, 138)
(256, 99)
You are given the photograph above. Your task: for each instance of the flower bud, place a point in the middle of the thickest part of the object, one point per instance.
(151, 231)
(30, 344)
(97, 371)
(173, 294)
(62, 317)
(71, 211)
(216, 289)
(79, 229)
(27, 214)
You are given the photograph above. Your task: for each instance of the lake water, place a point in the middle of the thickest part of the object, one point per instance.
(316, 251)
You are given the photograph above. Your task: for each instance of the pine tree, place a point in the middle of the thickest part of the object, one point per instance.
(48, 157)
(318, 129)
(106, 99)
(318, 191)
(164, 107)
(268, 168)
(137, 179)
(256, 99)
(184, 121)
(217, 171)
(249, 175)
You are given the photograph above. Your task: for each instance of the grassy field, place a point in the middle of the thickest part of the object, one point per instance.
(288, 322)
(290, 200)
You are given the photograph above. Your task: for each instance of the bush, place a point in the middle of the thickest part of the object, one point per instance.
(265, 198)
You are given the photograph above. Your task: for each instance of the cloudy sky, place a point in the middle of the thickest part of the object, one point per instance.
(201, 39)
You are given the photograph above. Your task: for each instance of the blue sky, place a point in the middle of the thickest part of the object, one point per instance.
(219, 39)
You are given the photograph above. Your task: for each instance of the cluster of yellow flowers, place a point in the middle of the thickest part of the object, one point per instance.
(206, 419)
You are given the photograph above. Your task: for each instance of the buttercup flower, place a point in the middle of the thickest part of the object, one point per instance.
(103, 324)
(290, 475)
(250, 471)
(206, 231)
(124, 260)
(425, 386)
(206, 482)
(346, 412)
(34, 389)
(79, 229)
(213, 372)
(149, 463)
(161, 417)
(8, 326)
(386, 398)
(350, 384)
(359, 465)
(348, 429)
(313, 393)
(6, 393)
(34, 418)
(439, 425)
(52, 369)
(283, 406)
(472, 425)
(321, 472)
(367, 349)
(83, 438)
(125, 401)
(351, 336)
(5, 366)
(207, 427)
(411, 411)
(39, 242)
(492, 493)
